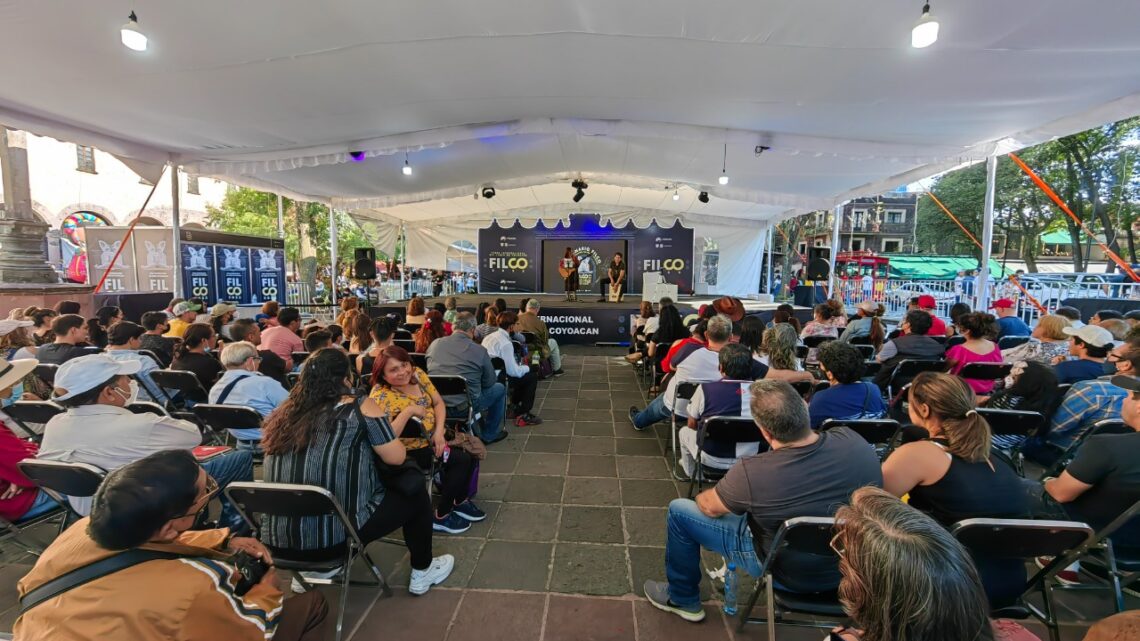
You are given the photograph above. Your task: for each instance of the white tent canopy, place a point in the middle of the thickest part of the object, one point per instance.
(640, 98)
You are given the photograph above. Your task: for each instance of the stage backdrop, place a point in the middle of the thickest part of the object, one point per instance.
(594, 257)
(511, 258)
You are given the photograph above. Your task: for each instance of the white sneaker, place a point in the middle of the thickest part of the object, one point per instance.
(299, 588)
(436, 573)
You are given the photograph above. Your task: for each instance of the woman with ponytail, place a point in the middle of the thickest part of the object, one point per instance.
(193, 356)
(952, 476)
(868, 325)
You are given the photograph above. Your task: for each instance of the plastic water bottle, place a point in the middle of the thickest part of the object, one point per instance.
(731, 586)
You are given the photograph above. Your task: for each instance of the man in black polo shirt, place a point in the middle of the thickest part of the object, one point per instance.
(70, 332)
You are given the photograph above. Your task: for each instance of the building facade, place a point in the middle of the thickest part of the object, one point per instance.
(884, 225)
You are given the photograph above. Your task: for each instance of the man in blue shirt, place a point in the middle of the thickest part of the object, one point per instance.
(848, 398)
(243, 385)
(1009, 324)
(1090, 345)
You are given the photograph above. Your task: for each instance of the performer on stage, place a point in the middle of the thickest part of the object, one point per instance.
(568, 269)
(615, 278)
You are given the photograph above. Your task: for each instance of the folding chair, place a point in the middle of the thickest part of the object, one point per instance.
(299, 357)
(1025, 540)
(297, 502)
(291, 378)
(220, 418)
(955, 340)
(871, 368)
(882, 433)
(907, 369)
(402, 334)
(25, 412)
(729, 430)
(1100, 552)
(144, 407)
(1107, 426)
(151, 355)
(805, 534)
(985, 371)
(499, 364)
(411, 329)
(450, 386)
(684, 392)
(802, 351)
(868, 351)
(1009, 342)
(46, 373)
(1013, 423)
(186, 383)
(812, 342)
(61, 480)
(420, 360)
(408, 344)
(804, 388)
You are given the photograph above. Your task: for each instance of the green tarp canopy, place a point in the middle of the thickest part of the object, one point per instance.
(1061, 237)
(927, 266)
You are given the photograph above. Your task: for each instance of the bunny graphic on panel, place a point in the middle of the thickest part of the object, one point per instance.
(233, 259)
(267, 260)
(107, 254)
(156, 254)
(198, 257)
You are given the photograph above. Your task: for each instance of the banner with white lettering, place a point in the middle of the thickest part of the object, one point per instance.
(508, 259)
(668, 250)
(268, 275)
(233, 274)
(198, 279)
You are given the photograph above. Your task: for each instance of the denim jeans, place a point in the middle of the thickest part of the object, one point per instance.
(653, 413)
(43, 504)
(230, 467)
(687, 531)
(492, 404)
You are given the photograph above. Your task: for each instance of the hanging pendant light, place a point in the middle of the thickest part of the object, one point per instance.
(133, 38)
(925, 31)
(723, 167)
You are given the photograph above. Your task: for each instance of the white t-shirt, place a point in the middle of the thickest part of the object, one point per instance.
(652, 324)
(702, 366)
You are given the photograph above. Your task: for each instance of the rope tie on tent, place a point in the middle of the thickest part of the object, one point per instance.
(1048, 191)
(1012, 279)
(130, 230)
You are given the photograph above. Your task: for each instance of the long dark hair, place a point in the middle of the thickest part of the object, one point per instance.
(431, 330)
(291, 426)
(1035, 388)
(782, 316)
(752, 333)
(195, 335)
(671, 328)
(97, 327)
(481, 311)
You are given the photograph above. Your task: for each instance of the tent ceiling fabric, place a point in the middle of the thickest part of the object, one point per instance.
(639, 96)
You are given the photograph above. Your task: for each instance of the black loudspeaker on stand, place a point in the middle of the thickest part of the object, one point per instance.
(364, 265)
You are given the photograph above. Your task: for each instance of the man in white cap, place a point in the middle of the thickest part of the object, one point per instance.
(1090, 345)
(184, 315)
(226, 312)
(98, 430)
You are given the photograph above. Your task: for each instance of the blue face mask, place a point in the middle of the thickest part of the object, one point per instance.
(17, 394)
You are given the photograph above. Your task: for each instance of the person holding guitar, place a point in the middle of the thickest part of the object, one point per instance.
(568, 270)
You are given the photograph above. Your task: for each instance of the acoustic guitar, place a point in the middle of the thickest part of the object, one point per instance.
(566, 267)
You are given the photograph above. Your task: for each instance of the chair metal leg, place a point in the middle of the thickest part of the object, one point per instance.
(1114, 575)
(385, 589)
(770, 602)
(746, 613)
(344, 583)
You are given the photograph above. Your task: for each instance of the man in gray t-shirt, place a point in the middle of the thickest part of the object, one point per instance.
(804, 473)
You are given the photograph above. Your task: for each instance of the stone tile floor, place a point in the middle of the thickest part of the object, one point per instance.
(576, 524)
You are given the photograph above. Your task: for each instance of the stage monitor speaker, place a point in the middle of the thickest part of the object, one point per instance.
(818, 267)
(364, 268)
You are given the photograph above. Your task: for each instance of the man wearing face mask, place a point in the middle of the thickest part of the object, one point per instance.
(97, 428)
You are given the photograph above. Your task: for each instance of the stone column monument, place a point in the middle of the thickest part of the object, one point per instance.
(21, 232)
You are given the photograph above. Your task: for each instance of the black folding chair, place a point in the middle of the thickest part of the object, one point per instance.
(152, 356)
(146, 407)
(804, 388)
(185, 383)
(907, 369)
(1119, 570)
(46, 373)
(684, 392)
(420, 360)
(881, 433)
(986, 371)
(807, 535)
(802, 351)
(499, 364)
(1013, 423)
(868, 351)
(61, 480)
(402, 334)
(1009, 342)
(955, 340)
(26, 413)
(299, 357)
(727, 430)
(291, 378)
(1024, 540)
(407, 344)
(219, 418)
(462, 414)
(296, 502)
(815, 341)
(871, 368)
(1107, 426)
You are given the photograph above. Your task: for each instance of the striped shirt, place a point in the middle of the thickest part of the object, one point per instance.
(340, 459)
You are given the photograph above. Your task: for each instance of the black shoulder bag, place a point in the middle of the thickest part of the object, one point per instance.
(406, 478)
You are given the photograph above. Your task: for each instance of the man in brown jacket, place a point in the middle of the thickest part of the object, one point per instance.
(149, 505)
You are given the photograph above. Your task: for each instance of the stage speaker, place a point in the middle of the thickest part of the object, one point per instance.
(818, 267)
(364, 267)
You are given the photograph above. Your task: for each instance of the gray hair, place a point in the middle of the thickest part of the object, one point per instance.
(532, 304)
(236, 354)
(719, 329)
(779, 409)
(464, 322)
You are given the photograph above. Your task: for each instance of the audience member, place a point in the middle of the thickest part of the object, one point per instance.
(415, 312)
(952, 476)
(957, 310)
(272, 365)
(670, 332)
(804, 473)
(1133, 318)
(895, 562)
(168, 311)
(20, 499)
(546, 346)
(431, 330)
(849, 397)
(185, 314)
(221, 316)
(336, 335)
(123, 345)
(913, 344)
(68, 307)
(382, 335)
(1105, 314)
(283, 339)
(977, 328)
(404, 391)
(828, 320)
(1030, 387)
(70, 332)
(1009, 323)
(243, 385)
(359, 331)
(868, 324)
(1090, 345)
(97, 326)
(41, 333)
(1071, 313)
(155, 325)
(460, 355)
(97, 429)
(349, 309)
(727, 397)
(1086, 403)
(927, 304)
(321, 435)
(152, 504)
(450, 305)
(786, 316)
(680, 350)
(637, 345)
(752, 335)
(523, 381)
(317, 339)
(267, 317)
(15, 340)
(490, 324)
(1118, 327)
(1046, 343)
(192, 356)
(778, 348)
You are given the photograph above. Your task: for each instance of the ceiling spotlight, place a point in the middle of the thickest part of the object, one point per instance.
(760, 149)
(925, 31)
(676, 194)
(581, 186)
(407, 169)
(723, 167)
(133, 38)
(704, 197)
(488, 192)
(356, 156)
(579, 195)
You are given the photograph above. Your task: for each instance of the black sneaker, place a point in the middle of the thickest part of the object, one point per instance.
(502, 435)
(451, 523)
(558, 372)
(469, 511)
(633, 412)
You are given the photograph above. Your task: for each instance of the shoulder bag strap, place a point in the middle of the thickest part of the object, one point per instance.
(229, 388)
(86, 574)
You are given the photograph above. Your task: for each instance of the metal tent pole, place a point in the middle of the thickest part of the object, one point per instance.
(983, 281)
(831, 278)
(332, 252)
(176, 223)
(768, 269)
(280, 216)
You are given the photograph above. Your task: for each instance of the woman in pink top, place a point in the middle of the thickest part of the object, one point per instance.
(978, 328)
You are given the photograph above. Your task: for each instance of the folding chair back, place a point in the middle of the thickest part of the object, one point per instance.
(220, 416)
(185, 382)
(500, 368)
(402, 335)
(64, 479)
(407, 344)
(46, 372)
(955, 340)
(1012, 422)
(420, 360)
(802, 351)
(728, 430)
(816, 341)
(882, 433)
(683, 392)
(151, 355)
(34, 411)
(449, 387)
(299, 357)
(144, 407)
(1009, 342)
(908, 368)
(986, 371)
(868, 351)
(804, 388)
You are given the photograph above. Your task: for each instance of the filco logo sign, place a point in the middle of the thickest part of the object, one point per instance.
(663, 265)
(516, 261)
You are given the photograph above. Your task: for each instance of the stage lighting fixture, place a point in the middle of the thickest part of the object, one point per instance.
(925, 31)
(676, 195)
(579, 195)
(704, 197)
(132, 37)
(407, 169)
(724, 167)
(488, 192)
(581, 186)
(356, 156)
